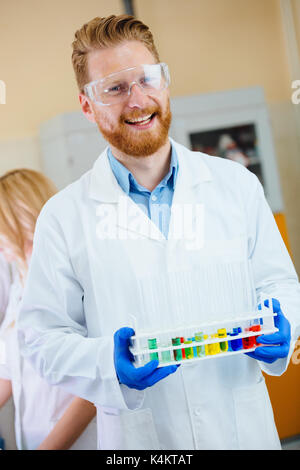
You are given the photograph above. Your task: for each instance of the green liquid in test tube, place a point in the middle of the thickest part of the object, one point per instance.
(152, 344)
(189, 354)
(200, 349)
(166, 355)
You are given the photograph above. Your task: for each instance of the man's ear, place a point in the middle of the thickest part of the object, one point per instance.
(86, 107)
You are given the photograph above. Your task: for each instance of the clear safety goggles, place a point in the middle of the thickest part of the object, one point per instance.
(116, 87)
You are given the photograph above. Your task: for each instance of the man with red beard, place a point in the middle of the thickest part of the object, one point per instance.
(109, 258)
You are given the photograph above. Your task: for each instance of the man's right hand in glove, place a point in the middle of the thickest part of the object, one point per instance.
(141, 377)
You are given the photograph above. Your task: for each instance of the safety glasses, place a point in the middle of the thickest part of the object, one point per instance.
(116, 87)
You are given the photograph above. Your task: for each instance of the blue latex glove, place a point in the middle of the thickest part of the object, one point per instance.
(281, 339)
(141, 377)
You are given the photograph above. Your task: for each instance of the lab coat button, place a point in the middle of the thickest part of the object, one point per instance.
(197, 411)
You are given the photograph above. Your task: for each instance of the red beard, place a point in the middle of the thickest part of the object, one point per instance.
(144, 142)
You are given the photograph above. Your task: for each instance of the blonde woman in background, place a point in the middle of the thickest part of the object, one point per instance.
(7, 411)
(46, 417)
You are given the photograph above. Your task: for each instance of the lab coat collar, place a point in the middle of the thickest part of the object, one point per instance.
(105, 188)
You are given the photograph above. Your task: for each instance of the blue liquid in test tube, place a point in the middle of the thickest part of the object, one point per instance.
(236, 344)
(194, 348)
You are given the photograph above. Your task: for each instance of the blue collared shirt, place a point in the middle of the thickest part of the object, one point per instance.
(157, 203)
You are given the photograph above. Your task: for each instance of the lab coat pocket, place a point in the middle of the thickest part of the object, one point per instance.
(126, 430)
(254, 418)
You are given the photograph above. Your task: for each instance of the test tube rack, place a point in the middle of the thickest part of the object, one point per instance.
(143, 354)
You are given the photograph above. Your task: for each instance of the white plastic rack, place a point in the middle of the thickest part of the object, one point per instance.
(141, 352)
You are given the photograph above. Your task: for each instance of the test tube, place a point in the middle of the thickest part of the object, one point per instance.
(222, 333)
(255, 328)
(205, 337)
(177, 352)
(195, 353)
(143, 358)
(189, 351)
(211, 347)
(166, 355)
(217, 347)
(200, 349)
(236, 344)
(183, 350)
(248, 342)
(152, 344)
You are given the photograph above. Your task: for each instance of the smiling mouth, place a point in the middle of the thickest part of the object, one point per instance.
(141, 121)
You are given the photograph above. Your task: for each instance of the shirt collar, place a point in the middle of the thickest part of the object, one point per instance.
(127, 181)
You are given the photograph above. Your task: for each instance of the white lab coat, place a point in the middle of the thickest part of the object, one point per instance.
(5, 281)
(93, 268)
(38, 405)
(7, 411)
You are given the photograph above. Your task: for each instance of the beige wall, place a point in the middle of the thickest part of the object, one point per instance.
(217, 45)
(210, 45)
(296, 14)
(35, 58)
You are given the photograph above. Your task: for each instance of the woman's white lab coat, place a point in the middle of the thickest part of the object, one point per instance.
(7, 411)
(38, 405)
(5, 282)
(98, 261)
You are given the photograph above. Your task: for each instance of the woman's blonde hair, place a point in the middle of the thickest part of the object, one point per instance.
(101, 33)
(22, 195)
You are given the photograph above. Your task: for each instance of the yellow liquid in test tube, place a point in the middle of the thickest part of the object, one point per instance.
(222, 333)
(217, 348)
(205, 337)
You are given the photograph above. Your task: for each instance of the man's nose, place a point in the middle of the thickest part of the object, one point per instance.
(137, 97)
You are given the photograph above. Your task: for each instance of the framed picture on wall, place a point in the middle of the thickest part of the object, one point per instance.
(238, 143)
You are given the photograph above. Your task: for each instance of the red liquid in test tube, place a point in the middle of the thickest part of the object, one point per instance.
(255, 328)
(250, 341)
(183, 350)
